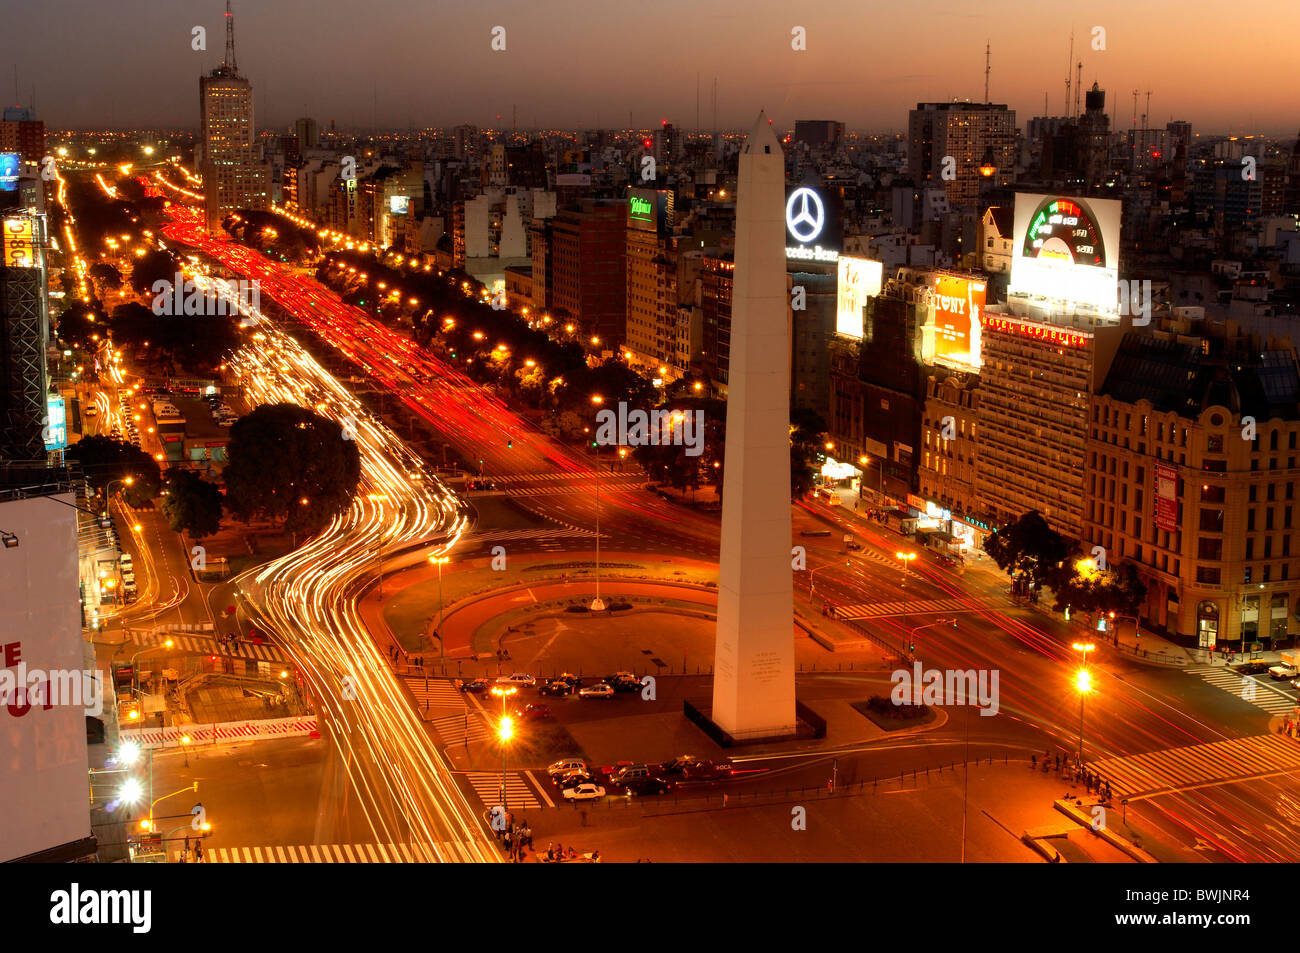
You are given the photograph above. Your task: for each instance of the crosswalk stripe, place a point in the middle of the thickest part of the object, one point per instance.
(293, 856)
(348, 851)
(431, 692)
(1213, 762)
(222, 852)
(1265, 697)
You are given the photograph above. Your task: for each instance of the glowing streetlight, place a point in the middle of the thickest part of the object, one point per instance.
(1083, 685)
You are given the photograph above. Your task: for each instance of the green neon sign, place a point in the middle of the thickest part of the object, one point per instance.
(641, 208)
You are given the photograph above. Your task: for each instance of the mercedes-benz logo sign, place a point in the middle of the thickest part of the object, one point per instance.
(804, 214)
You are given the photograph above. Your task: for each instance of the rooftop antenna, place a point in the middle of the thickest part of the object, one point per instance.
(988, 65)
(1078, 89)
(230, 40)
(1067, 75)
(697, 103)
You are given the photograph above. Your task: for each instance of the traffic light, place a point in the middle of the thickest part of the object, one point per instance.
(911, 646)
(509, 444)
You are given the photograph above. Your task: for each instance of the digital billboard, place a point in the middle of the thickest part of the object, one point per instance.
(19, 243)
(813, 225)
(56, 430)
(9, 164)
(650, 210)
(1066, 249)
(399, 204)
(952, 330)
(859, 279)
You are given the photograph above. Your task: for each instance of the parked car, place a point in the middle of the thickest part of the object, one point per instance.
(92, 411)
(565, 765)
(1283, 671)
(587, 791)
(573, 681)
(125, 560)
(518, 679)
(555, 688)
(597, 691)
(476, 686)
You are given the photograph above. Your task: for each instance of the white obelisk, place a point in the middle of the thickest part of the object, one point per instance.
(753, 677)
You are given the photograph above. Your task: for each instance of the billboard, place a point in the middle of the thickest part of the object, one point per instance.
(1066, 249)
(650, 210)
(9, 165)
(19, 243)
(43, 787)
(814, 225)
(952, 331)
(399, 204)
(1166, 517)
(859, 279)
(56, 430)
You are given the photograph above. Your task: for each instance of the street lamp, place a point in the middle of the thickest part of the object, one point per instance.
(438, 561)
(1083, 684)
(505, 731)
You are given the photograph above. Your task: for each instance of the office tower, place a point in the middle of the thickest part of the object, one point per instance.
(23, 133)
(818, 133)
(964, 133)
(307, 133)
(233, 177)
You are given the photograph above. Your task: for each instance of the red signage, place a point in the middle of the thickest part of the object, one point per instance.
(1062, 336)
(1166, 498)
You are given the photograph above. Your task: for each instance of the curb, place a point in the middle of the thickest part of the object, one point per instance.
(1040, 845)
(1071, 810)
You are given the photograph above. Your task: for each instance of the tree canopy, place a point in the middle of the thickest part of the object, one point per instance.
(106, 460)
(1028, 547)
(191, 504)
(290, 464)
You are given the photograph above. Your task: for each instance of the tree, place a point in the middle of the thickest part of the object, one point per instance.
(154, 265)
(1083, 588)
(106, 461)
(807, 439)
(1028, 547)
(290, 464)
(191, 504)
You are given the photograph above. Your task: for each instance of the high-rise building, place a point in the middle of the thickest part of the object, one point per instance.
(715, 330)
(308, 135)
(23, 133)
(818, 133)
(1192, 455)
(652, 279)
(963, 133)
(588, 269)
(233, 175)
(1035, 385)
(43, 744)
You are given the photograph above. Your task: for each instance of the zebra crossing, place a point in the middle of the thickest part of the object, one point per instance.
(874, 610)
(520, 795)
(1249, 688)
(434, 692)
(462, 729)
(529, 534)
(194, 643)
(413, 853)
(1218, 762)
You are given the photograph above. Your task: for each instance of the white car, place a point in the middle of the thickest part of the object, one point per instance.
(560, 768)
(92, 411)
(518, 679)
(584, 792)
(597, 691)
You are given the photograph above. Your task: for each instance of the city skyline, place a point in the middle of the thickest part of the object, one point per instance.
(411, 54)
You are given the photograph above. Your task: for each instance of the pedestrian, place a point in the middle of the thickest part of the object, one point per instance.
(550, 851)
(1033, 762)
(1058, 763)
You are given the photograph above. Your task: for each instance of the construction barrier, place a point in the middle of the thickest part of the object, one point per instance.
(170, 737)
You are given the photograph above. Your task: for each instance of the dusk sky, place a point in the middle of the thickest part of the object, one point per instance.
(1228, 69)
